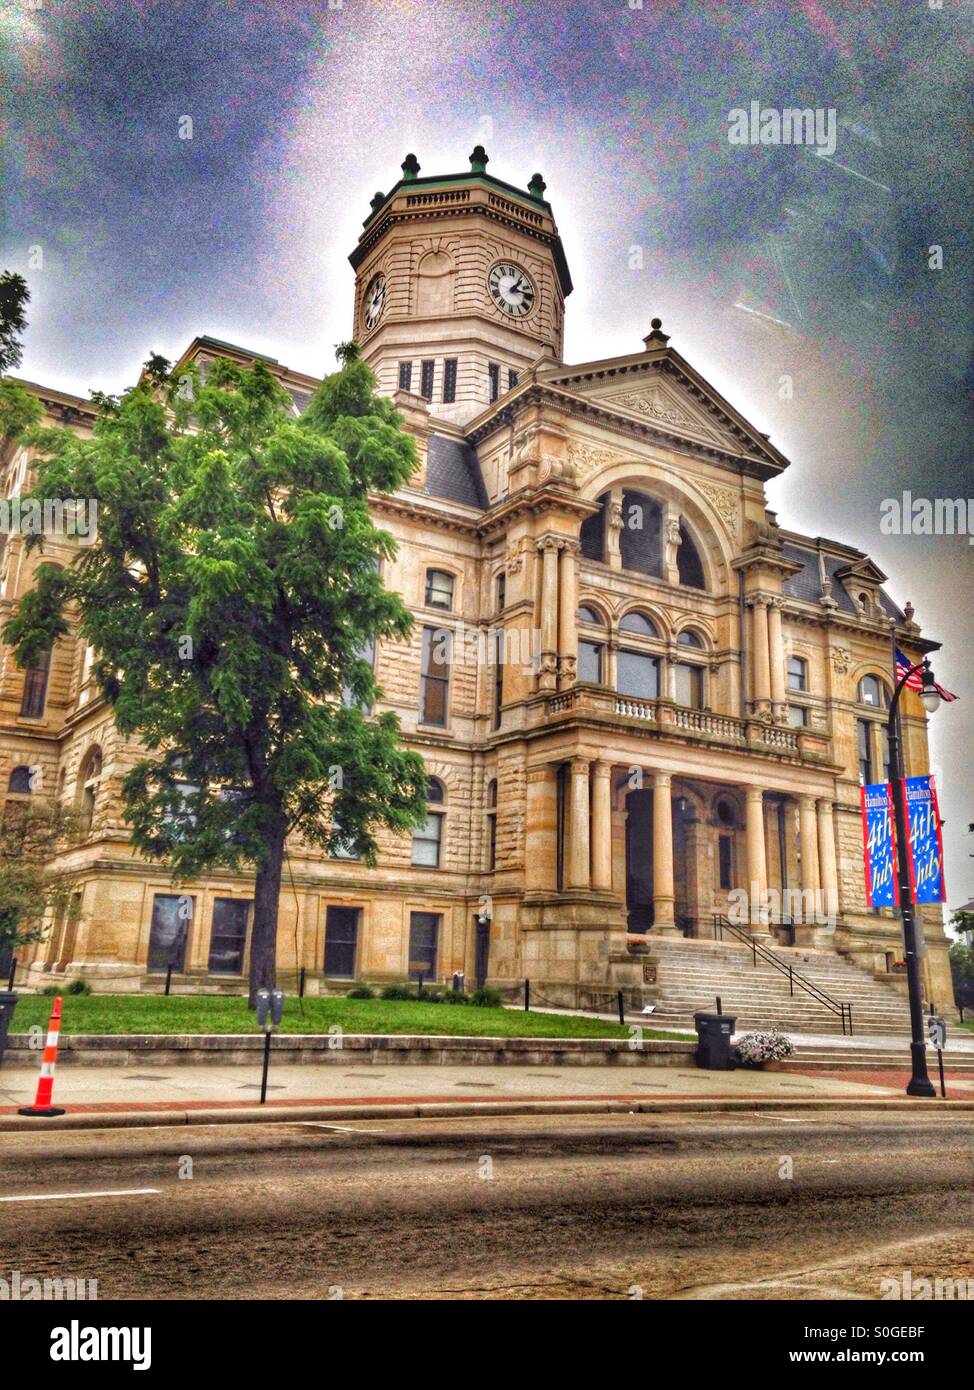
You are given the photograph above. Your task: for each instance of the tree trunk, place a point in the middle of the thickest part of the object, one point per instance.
(263, 937)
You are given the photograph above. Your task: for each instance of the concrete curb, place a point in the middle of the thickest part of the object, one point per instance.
(271, 1114)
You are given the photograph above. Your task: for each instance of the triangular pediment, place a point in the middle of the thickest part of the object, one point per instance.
(661, 402)
(661, 391)
(865, 570)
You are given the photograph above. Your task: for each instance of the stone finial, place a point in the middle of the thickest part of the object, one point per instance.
(657, 338)
(909, 611)
(377, 201)
(410, 168)
(478, 160)
(537, 187)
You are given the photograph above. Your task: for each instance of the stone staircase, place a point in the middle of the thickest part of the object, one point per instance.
(692, 973)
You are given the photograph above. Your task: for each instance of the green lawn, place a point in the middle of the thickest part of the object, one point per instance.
(197, 1013)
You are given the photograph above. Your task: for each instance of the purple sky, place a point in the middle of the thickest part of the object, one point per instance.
(763, 262)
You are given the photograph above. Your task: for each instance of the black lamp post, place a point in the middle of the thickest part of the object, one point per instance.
(920, 1083)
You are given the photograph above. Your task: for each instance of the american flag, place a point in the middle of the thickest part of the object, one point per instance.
(903, 664)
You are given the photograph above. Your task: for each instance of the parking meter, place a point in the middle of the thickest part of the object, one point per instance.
(277, 1006)
(263, 1006)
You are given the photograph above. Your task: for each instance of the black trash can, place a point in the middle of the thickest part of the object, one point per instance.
(8, 1002)
(714, 1033)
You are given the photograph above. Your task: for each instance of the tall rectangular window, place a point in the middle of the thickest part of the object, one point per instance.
(689, 685)
(561, 819)
(35, 687)
(501, 591)
(405, 376)
(228, 936)
(637, 674)
(435, 677)
(498, 676)
(590, 662)
(450, 380)
(426, 381)
(424, 941)
(171, 917)
(341, 942)
(428, 842)
(494, 380)
(725, 860)
(511, 380)
(865, 761)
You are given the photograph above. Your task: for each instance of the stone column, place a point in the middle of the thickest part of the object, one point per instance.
(664, 893)
(761, 678)
(602, 828)
(568, 615)
(826, 859)
(540, 850)
(757, 862)
(776, 658)
(579, 851)
(549, 548)
(808, 839)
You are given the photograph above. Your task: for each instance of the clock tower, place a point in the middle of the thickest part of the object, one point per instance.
(460, 285)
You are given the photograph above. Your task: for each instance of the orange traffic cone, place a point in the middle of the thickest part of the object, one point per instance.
(45, 1082)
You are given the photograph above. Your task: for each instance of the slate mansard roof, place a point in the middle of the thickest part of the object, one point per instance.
(453, 472)
(806, 585)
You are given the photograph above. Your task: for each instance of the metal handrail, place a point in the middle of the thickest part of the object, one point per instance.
(837, 1006)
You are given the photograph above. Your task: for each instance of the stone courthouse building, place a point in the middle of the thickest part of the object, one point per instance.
(635, 692)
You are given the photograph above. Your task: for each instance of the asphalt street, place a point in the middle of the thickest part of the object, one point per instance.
(765, 1206)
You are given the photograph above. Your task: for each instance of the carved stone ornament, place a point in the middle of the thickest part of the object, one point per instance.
(841, 660)
(724, 502)
(655, 406)
(513, 559)
(587, 459)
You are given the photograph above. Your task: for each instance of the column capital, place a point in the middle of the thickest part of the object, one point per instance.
(776, 601)
(662, 779)
(602, 769)
(824, 805)
(754, 794)
(579, 765)
(757, 600)
(546, 543)
(808, 801)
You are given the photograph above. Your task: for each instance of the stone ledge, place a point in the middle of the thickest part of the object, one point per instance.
(168, 1049)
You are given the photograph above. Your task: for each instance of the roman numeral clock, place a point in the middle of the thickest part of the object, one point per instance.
(511, 289)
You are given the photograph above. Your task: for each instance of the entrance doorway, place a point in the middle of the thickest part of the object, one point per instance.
(341, 942)
(639, 860)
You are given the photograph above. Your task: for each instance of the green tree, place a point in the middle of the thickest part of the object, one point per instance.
(14, 298)
(32, 833)
(18, 408)
(230, 595)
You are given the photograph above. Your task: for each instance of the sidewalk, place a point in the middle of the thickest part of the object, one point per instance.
(101, 1090)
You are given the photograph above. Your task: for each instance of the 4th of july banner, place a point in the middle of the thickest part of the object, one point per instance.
(926, 842)
(879, 844)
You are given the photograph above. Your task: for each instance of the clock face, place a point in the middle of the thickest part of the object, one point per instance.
(375, 298)
(511, 289)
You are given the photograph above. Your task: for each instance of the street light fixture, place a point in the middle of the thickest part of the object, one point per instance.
(920, 1083)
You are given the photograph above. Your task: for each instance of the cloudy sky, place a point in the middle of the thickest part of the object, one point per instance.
(804, 287)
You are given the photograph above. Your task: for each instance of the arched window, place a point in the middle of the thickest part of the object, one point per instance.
(872, 691)
(20, 781)
(589, 615)
(688, 564)
(592, 532)
(638, 623)
(689, 639)
(428, 840)
(641, 537)
(439, 589)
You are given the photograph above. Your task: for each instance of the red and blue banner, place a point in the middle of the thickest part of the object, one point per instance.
(879, 846)
(925, 840)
